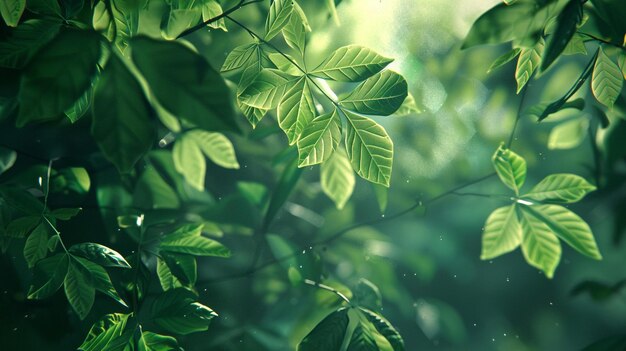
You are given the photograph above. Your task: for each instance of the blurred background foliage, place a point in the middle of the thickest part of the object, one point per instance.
(434, 288)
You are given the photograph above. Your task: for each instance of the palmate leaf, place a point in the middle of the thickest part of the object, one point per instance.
(177, 311)
(58, 75)
(510, 167)
(381, 94)
(369, 149)
(502, 233)
(566, 24)
(328, 334)
(285, 63)
(296, 109)
(606, 80)
(266, 90)
(278, 16)
(337, 178)
(540, 246)
(79, 288)
(109, 333)
(121, 123)
(100, 254)
(527, 63)
(569, 227)
(11, 11)
(562, 188)
(319, 139)
(351, 63)
(185, 84)
(23, 42)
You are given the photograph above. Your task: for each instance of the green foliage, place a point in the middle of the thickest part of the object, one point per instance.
(533, 220)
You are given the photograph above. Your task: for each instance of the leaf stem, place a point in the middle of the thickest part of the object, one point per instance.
(328, 288)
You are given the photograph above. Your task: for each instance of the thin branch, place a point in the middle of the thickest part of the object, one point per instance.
(328, 288)
(518, 117)
(603, 41)
(224, 14)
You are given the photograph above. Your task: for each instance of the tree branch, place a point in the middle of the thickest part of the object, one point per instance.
(224, 14)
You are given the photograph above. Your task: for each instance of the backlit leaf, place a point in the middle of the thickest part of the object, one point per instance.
(11, 11)
(100, 254)
(607, 80)
(266, 90)
(296, 110)
(189, 161)
(527, 63)
(369, 149)
(511, 168)
(216, 147)
(351, 63)
(381, 94)
(563, 188)
(504, 59)
(278, 17)
(337, 178)
(502, 233)
(319, 139)
(540, 246)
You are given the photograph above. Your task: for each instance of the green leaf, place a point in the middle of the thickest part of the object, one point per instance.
(183, 267)
(511, 168)
(152, 191)
(36, 246)
(210, 10)
(607, 80)
(381, 94)
(266, 90)
(81, 106)
(178, 312)
(79, 288)
(189, 161)
(369, 148)
(568, 135)
(543, 110)
(22, 43)
(108, 334)
(351, 63)
(156, 342)
(362, 340)
(7, 159)
(566, 24)
(11, 11)
(408, 107)
(126, 18)
(527, 63)
(102, 20)
(45, 7)
(576, 45)
(185, 84)
(502, 233)
(278, 17)
(121, 117)
(189, 240)
(294, 32)
(337, 178)
(166, 278)
(216, 147)
(20, 227)
(328, 334)
(100, 254)
(49, 276)
(239, 57)
(333, 10)
(101, 280)
(382, 196)
(296, 109)
(285, 63)
(58, 75)
(540, 246)
(385, 329)
(65, 214)
(367, 295)
(319, 139)
(504, 59)
(178, 20)
(562, 188)
(569, 227)
(503, 23)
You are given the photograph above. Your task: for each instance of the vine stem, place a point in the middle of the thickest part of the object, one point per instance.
(224, 14)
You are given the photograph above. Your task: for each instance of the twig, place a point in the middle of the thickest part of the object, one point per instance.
(224, 14)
